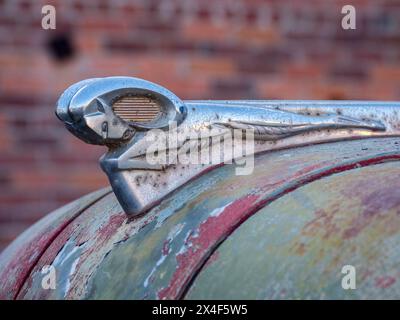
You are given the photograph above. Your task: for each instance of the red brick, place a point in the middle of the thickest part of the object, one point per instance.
(212, 66)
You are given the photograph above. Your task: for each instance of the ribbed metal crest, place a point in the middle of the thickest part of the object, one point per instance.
(137, 108)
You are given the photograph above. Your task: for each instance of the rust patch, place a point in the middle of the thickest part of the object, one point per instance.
(374, 207)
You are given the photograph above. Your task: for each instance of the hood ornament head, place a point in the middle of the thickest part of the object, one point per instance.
(87, 109)
(120, 112)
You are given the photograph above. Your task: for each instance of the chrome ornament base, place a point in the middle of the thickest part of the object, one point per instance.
(86, 108)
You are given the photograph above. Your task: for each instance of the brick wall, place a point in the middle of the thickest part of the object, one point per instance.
(198, 49)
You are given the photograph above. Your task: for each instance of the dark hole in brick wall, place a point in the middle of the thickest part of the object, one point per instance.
(61, 47)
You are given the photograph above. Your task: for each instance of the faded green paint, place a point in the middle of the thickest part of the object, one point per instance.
(295, 248)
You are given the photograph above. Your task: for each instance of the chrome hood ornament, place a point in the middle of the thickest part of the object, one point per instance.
(122, 113)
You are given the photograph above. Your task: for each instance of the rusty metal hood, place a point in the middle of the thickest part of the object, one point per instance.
(301, 215)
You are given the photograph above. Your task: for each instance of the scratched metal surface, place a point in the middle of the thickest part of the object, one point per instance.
(295, 248)
(17, 259)
(101, 254)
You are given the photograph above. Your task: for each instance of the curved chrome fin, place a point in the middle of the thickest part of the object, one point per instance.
(148, 148)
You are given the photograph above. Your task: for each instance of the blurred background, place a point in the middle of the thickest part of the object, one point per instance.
(206, 49)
